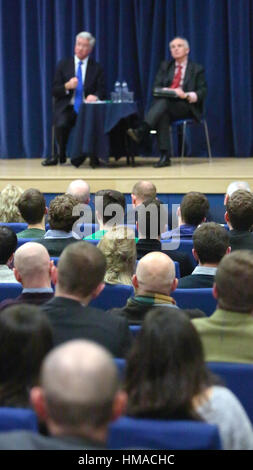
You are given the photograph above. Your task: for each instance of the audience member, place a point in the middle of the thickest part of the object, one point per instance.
(192, 212)
(77, 398)
(32, 207)
(210, 244)
(119, 248)
(103, 199)
(34, 270)
(8, 204)
(234, 186)
(152, 220)
(80, 190)
(61, 220)
(8, 244)
(166, 378)
(239, 217)
(81, 271)
(25, 338)
(227, 335)
(141, 191)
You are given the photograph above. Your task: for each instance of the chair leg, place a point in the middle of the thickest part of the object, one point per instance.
(53, 142)
(183, 140)
(207, 140)
(171, 142)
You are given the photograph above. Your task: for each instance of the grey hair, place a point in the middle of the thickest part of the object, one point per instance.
(186, 43)
(86, 35)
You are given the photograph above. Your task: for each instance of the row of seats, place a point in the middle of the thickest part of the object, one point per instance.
(115, 296)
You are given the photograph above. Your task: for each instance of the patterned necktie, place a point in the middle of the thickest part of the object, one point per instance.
(177, 78)
(79, 89)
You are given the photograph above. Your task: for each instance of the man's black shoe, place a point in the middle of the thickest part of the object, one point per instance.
(77, 161)
(50, 162)
(140, 133)
(164, 161)
(63, 159)
(94, 162)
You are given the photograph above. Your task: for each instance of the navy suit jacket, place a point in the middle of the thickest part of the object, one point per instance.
(194, 80)
(94, 83)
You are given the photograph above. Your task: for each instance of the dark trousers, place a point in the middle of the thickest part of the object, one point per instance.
(63, 126)
(162, 112)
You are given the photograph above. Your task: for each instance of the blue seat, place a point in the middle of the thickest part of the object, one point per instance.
(132, 433)
(12, 419)
(135, 329)
(93, 242)
(15, 226)
(113, 296)
(9, 290)
(121, 366)
(185, 246)
(239, 379)
(184, 123)
(22, 241)
(196, 298)
(55, 260)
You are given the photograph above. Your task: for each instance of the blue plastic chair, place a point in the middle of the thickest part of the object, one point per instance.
(185, 246)
(239, 379)
(196, 298)
(22, 241)
(132, 433)
(15, 226)
(10, 290)
(113, 296)
(183, 123)
(13, 419)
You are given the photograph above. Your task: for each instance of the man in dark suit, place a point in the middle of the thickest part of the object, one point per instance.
(186, 81)
(77, 398)
(239, 217)
(210, 244)
(81, 270)
(76, 78)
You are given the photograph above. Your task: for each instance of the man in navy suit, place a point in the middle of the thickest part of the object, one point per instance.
(80, 71)
(186, 81)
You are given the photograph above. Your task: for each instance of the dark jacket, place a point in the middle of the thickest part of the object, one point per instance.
(72, 320)
(241, 240)
(25, 440)
(35, 298)
(55, 246)
(196, 281)
(194, 80)
(94, 83)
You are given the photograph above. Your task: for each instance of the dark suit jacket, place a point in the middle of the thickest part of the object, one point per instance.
(94, 83)
(241, 240)
(72, 320)
(25, 440)
(145, 246)
(36, 298)
(194, 80)
(55, 246)
(196, 281)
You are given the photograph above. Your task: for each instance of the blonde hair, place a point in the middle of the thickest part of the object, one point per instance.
(8, 204)
(119, 248)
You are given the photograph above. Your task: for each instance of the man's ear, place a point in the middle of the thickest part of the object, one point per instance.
(38, 402)
(174, 285)
(10, 261)
(17, 275)
(195, 255)
(133, 198)
(215, 293)
(135, 281)
(53, 272)
(228, 250)
(226, 217)
(226, 199)
(95, 293)
(178, 211)
(119, 405)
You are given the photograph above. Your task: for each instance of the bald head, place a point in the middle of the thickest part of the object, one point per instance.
(80, 190)
(32, 265)
(234, 186)
(141, 191)
(80, 381)
(156, 273)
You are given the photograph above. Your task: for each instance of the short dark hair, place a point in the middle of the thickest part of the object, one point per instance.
(32, 206)
(110, 196)
(60, 212)
(8, 243)
(240, 209)
(194, 208)
(211, 242)
(166, 367)
(233, 280)
(26, 337)
(147, 220)
(81, 268)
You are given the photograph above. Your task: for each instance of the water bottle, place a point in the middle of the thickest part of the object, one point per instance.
(117, 90)
(124, 92)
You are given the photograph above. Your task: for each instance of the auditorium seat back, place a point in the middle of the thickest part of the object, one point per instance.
(185, 246)
(14, 419)
(15, 226)
(10, 290)
(132, 433)
(196, 298)
(113, 296)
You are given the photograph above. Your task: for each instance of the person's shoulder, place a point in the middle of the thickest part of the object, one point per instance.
(185, 282)
(196, 65)
(94, 63)
(65, 61)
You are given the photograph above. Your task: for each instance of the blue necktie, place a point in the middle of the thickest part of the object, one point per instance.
(79, 89)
